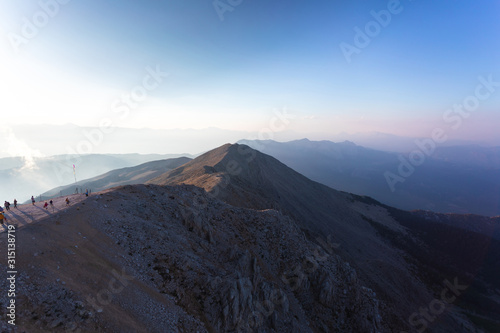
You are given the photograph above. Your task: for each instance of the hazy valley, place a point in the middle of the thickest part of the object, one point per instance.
(456, 179)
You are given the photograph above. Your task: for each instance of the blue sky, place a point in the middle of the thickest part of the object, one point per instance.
(264, 56)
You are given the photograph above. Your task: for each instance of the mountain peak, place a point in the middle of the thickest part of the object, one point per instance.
(228, 167)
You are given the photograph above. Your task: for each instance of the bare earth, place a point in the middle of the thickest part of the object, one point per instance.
(27, 214)
(148, 258)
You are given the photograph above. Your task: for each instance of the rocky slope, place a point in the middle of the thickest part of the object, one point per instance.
(173, 259)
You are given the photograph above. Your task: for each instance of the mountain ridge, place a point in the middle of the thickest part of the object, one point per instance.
(124, 176)
(247, 178)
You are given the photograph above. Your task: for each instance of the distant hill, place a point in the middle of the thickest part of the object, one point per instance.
(464, 180)
(124, 176)
(394, 252)
(20, 178)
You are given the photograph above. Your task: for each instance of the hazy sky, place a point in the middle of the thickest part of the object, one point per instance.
(233, 67)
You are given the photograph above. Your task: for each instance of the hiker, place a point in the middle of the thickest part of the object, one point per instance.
(87, 192)
(46, 205)
(67, 202)
(33, 200)
(7, 205)
(15, 203)
(3, 218)
(51, 203)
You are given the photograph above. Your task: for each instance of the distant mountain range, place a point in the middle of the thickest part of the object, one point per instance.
(46, 140)
(453, 179)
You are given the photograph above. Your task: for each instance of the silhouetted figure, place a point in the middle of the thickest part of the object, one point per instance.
(33, 200)
(87, 192)
(15, 203)
(67, 202)
(46, 205)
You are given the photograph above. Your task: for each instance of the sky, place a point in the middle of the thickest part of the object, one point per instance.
(395, 67)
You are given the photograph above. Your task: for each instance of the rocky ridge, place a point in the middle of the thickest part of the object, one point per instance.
(188, 262)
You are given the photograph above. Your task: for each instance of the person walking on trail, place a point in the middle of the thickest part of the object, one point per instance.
(3, 218)
(15, 203)
(67, 202)
(46, 205)
(87, 192)
(33, 200)
(7, 205)
(51, 203)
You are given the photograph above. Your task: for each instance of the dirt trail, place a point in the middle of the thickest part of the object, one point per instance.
(29, 214)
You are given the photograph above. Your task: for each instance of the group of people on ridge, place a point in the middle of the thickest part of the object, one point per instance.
(7, 207)
(7, 204)
(3, 218)
(46, 205)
